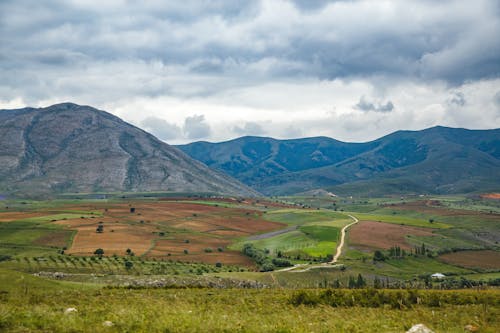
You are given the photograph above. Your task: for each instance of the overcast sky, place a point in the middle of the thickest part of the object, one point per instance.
(215, 70)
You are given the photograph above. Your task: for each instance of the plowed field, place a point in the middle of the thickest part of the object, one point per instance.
(379, 235)
(473, 259)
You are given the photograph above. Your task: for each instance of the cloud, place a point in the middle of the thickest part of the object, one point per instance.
(161, 128)
(365, 105)
(195, 127)
(456, 100)
(250, 128)
(496, 99)
(292, 132)
(240, 62)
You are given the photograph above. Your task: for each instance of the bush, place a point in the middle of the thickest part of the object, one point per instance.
(281, 262)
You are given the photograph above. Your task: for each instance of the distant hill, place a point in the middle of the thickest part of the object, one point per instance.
(435, 160)
(72, 148)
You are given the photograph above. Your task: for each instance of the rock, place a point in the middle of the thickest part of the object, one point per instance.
(419, 328)
(108, 323)
(471, 328)
(70, 310)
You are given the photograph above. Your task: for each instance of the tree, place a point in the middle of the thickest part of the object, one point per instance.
(129, 264)
(128, 251)
(100, 228)
(99, 252)
(378, 256)
(351, 283)
(377, 283)
(361, 282)
(132, 209)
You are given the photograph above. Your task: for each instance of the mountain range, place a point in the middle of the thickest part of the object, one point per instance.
(68, 148)
(437, 160)
(71, 148)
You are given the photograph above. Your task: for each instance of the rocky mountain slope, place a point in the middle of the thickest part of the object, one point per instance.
(435, 160)
(72, 148)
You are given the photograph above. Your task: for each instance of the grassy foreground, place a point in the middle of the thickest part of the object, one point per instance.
(31, 304)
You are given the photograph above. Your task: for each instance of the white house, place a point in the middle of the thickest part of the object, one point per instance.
(438, 276)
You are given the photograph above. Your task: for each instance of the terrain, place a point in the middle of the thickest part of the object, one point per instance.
(71, 148)
(437, 160)
(212, 263)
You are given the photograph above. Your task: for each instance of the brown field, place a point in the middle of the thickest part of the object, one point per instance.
(14, 216)
(160, 228)
(495, 196)
(368, 235)
(486, 259)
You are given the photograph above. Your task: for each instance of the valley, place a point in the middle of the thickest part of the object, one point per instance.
(155, 247)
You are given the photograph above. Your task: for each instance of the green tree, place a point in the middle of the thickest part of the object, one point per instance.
(378, 256)
(360, 282)
(99, 252)
(129, 264)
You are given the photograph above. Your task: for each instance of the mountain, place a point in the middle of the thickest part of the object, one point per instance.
(435, 160)
(72, 148)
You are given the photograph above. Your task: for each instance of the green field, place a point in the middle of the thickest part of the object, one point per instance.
(401, 219)
(316, 235)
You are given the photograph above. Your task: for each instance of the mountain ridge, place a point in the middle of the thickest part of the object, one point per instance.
(73, 148)
(432, 160)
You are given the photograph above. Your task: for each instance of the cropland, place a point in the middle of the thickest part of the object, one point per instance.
(172, 263)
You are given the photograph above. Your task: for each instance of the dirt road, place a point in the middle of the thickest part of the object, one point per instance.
(342, 239)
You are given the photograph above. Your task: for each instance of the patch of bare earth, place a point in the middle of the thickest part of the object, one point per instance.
(486, 259)
(146, 227)
(494, 196)
(368, 235)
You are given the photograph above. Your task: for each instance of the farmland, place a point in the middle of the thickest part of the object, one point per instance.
(154, 247)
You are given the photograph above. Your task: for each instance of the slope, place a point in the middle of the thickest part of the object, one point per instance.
(435, 160)
(72, 148)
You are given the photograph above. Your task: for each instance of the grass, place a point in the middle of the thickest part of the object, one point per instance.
(315, 238)
(33, 304)
(301, 216)
(398, 219)
(407, 268)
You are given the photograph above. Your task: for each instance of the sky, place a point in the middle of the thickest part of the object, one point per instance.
(216, 70)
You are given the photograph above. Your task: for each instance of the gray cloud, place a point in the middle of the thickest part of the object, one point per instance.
(161, 128)
(195, 127)
(243, 42)
(215, 55)
(456, 100)
(250, 128)
(365, 105)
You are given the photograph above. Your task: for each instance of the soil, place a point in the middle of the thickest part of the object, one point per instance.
(368, 235)
(486, 259)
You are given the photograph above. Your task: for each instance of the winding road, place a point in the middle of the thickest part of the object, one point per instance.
(335, 257)
(342, 239)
